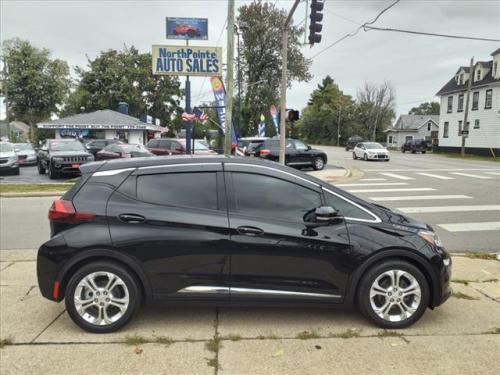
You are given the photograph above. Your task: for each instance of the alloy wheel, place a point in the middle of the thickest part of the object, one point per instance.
(319, 164)
(101, 298)
(395, 295)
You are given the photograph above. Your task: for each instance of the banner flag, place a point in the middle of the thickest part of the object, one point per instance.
(274, 115)
(262, 126)
(220, 102)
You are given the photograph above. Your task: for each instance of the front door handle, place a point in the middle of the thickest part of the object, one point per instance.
(132, 218)
(250, 231)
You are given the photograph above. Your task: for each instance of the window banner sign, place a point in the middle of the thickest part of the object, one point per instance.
(220, 102)
(187, 28)
(262, 126)
(274, 115)
(187, 60)
(74, 133)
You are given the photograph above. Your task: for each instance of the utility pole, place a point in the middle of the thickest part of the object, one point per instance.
(465, 127)
(238, 31)
(284, 75)
(338, 128)
(229, 78)
(189, 124)
(6, 96)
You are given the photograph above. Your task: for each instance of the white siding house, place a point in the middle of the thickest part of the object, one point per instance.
(409, 127)
(484, 109)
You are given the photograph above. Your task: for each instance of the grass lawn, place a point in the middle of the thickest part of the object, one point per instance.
(28, 188)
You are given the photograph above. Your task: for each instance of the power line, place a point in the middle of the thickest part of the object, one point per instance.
(356, 30)
(366, 28)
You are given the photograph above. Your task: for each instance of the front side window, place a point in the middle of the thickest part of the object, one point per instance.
(450, 104)
(299, 145)
(194, 190)
(345, 208)
(270, 197)
(152, 143)
(475, 101)
(446, 129)
(488, 99)
(460, 103)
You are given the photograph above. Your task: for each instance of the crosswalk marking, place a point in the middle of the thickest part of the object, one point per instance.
(376, 184)
(419, 197)
(437, 176)
(398, 176)
(372, 179)
(495, 173)
(388, 190)
(472, 175)
(420, 210)
(471, 227)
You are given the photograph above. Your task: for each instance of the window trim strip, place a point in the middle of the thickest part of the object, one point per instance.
(376, 218)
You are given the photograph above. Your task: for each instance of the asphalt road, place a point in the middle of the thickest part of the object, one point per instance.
(29, 174)
(460, 199)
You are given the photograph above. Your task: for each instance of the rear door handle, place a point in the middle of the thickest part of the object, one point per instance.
(131, 218)
(250, 231)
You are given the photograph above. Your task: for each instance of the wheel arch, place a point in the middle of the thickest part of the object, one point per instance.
(96, 255)
(394, 254)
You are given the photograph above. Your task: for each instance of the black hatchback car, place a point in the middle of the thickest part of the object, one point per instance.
(223, 230)
(297, 153)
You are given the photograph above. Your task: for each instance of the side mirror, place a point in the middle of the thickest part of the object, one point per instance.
(321, 216)
(309, 148)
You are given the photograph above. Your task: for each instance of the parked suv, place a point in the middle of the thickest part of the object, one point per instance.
(8, 158)
(353, 141)
(415, 145)
(177, 146)
(62, 156)
(297, 153)
(97, 145)
(222, 230)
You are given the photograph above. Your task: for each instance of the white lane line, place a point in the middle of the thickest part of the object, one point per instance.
(495, 173)
(471, 227)
(437, 176)
(388, 190)
(472, 175)
(423, 210)
(419, 197)
(434, 170)
(398, 176)
(372, 179)
(376, 184)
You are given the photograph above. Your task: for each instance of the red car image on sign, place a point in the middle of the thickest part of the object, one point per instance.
(186, 30)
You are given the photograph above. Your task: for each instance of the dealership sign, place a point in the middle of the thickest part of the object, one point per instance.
(187, 60)
(187, 28)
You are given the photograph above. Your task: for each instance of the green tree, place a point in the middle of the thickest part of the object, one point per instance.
(260, 24)
(116, 76)
(427, 108)
(37, 84)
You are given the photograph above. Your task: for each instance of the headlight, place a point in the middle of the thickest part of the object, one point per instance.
(13, 158)
(57, 160)
(430, 237)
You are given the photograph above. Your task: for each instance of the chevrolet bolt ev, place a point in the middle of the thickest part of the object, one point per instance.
(222, 230)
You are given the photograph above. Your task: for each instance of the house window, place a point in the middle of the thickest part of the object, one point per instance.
(450, 104)
(461, 79)
(475, 101)
(408, 138)
(476, 124)
(478, 75)
(460, 103)
(446, 128)
(460, 128)
(495, 65)
(489, 99)
(390, 139)
(429, 126)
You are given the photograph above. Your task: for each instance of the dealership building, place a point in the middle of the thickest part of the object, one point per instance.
(104, 124)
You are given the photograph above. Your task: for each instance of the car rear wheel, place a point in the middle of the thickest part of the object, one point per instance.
(393, 294)
(354, 156)
(318, 163)
(102, 297)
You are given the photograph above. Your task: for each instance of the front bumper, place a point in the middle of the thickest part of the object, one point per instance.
(444, 288)
(29, 160)
(8, 165)
(68, 167)
(379, 156)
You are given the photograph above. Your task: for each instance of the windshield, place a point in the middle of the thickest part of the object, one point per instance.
(6, 147)
(66, 146)
(200, 145)
(23, 147)
(372, 146)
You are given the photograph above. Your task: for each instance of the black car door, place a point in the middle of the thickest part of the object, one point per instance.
(303, 153)
(274, 256)
(174, 220)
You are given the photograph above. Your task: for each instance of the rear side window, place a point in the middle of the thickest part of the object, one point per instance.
(195, 190)
(265, 196)
(346, 209)
(153, 143)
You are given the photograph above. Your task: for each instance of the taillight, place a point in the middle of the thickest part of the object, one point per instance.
(264, 152)
(62, 210)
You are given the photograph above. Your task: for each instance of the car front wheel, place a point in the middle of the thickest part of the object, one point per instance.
(52, 172)
(365, 157)
(393, 294)
(102, 297)
(318, 163)
(41, 169)
(354, 156)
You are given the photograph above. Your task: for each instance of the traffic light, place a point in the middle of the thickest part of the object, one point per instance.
(293, 115)
(315, 25)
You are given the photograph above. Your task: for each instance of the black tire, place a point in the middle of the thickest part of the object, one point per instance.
(52, 173)
(413, 152)
(365, 157)
(41, 169)
(15, 172)
(104, 266)
(423, 152)
(363, 297)
(318, 163)
(403, 150)
(354, 156)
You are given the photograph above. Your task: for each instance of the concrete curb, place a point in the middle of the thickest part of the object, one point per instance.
(32, 194)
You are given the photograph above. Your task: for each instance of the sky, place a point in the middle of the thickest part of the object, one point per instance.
(417, 66)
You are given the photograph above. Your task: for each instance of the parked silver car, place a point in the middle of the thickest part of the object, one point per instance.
(8, 158)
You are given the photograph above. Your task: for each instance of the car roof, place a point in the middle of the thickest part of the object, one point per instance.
(63, 140)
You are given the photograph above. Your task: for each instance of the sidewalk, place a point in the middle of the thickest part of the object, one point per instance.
(462, 336)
